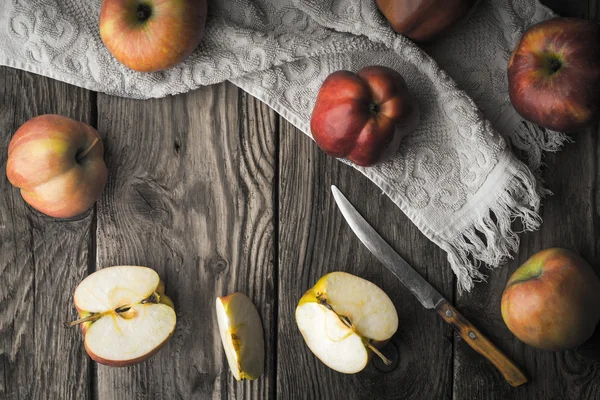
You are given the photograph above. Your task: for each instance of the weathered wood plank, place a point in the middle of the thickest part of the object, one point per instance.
(190, 195)
(41, 260)
(314, 240)
(570, 221)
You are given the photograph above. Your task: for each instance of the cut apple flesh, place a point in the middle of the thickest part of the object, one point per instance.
(242, 335)
(127, 340)
(370, 310)
(109, 288)
(338, 346)
(340, 317)
(126, 317)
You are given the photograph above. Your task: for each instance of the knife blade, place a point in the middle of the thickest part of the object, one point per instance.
(424, 292)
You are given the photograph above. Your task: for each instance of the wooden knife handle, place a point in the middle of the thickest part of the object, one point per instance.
(481, 344)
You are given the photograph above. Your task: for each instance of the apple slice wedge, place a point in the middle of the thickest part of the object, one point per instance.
(125, 315)
(343, 318)
(242, 335)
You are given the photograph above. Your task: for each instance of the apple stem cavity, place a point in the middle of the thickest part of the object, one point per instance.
(154, 298)
(346, 321)
(555, 65)
(143, 12)
(81, 155)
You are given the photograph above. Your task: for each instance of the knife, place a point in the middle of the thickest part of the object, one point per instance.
(425, 293)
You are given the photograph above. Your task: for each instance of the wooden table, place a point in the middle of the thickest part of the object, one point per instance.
(219, 194)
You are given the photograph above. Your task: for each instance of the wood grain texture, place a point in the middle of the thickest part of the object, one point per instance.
(481, 344)
(219, 194)
(190, 194)
(41, 260)
(314, 239)
(571, 220)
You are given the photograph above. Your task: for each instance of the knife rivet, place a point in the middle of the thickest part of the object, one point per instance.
(448, 313)
(472, 335)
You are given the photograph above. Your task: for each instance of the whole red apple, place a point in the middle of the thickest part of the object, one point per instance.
(423, 20)
(554, 74)
(58, 164)
(363, 117)
(552, 301)
(152, 35)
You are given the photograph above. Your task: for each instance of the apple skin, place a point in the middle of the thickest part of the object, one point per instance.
(250, 360)
(554, 74)
(152, 35)
(423, 20)
(363, 117)
(313, 294)
(42, 162)
(552, 301)
(114, 363)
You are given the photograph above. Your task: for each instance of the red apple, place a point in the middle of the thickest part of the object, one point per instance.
(423, 20)
(552, 301)
(58, 164)
(554, 74)
(152, 35)
(363, 117)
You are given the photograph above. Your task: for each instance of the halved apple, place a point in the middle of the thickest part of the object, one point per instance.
(343, 319)
(125, 315)
(242, 335)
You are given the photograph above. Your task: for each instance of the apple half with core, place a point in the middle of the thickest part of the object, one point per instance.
(363, 117)
(125, 315)
(343, 320)
(58, 164)
(554, 74)
(152, 35)
(242, 335)
(552, 301)
(423, 20)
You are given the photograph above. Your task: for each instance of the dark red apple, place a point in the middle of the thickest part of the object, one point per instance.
(423, 20)
(554, 74)
(363, 117)
(152, 35)
(553, 300)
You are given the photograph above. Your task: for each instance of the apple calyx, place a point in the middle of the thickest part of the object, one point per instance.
(374, 108)
(81, 155)
(123, 311)
(346, 321)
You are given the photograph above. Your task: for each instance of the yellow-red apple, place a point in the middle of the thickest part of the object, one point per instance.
(58, 164)
(552, 301)
(242, 335)
(125, 315)
(363, 117)
(344, 319)
(554, 74)
(152, 35)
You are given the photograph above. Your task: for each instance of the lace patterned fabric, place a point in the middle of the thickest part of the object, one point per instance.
(454, 176)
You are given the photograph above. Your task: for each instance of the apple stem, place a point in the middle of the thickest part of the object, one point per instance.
(385, 360)
(84, 153)
(92, 317)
